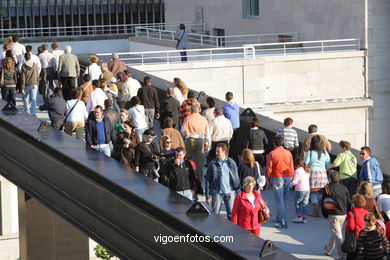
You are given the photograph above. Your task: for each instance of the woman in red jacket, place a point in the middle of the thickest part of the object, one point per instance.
(356, 222)
(246, 207)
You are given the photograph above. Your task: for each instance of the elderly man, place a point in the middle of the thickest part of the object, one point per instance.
(106, 74)
(48, 63)
(116, 65)
(68, 71)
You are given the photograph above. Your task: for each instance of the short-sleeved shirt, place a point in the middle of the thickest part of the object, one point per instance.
(347, 163)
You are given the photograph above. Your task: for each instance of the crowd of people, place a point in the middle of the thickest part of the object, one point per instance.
(117, 115)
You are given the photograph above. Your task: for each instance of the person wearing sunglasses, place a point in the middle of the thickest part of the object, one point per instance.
(166, 145)
(371, 170)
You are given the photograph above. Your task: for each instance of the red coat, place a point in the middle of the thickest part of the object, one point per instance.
(357, 223)
(244, 214)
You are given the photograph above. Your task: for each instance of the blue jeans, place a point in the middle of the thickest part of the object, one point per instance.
(30, 99)
(302, 202)
(228, 199)
(281, 186)
(315, 197)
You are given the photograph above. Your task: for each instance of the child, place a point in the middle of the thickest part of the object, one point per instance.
(302, 192)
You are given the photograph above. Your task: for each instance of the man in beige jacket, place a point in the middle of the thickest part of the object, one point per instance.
(68, 70)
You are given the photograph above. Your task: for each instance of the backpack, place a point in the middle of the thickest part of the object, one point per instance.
(329, 202)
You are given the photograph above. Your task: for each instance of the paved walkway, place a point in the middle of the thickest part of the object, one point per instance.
(305, 241)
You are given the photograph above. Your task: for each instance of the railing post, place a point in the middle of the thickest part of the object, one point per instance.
(284, 49)
(253, 53)
(147, 33)
(136, 32)
(173, 36)
(322, 47)
(217, 38)
(167, 57)
(159, 34)
(142, 58)
(201, 39)
(211, 55)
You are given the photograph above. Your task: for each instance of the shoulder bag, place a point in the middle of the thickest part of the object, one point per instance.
(63, 123)
(178, 42)
(349, 244)
(264, 212)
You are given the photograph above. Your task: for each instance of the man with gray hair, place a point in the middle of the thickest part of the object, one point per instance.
(116, 65)
(68, 71)
(195, 130)
(48, 71)
(170, 108)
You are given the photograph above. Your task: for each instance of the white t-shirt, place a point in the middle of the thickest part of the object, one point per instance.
(79, 112)
(93, 71)
(138, 116)
(130, 88)
(251, 199)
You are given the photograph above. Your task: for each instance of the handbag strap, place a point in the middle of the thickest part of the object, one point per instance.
(354, 217)
(178, 42)
(71, 110)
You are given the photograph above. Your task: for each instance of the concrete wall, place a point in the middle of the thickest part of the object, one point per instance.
(314, 20)
(320, 85)
(378, 37)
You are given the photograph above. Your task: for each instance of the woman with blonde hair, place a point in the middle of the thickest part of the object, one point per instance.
(10, 78)
(249, 167)
(246, 207)
(93, 70)
(366, 190)
(180, 90)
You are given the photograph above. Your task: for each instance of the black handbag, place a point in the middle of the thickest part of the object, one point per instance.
(349, 244)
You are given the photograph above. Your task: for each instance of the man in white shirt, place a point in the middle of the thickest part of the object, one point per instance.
(97, 97)
(18, 49)
(131, 86)
(48, 72)
(221, 131)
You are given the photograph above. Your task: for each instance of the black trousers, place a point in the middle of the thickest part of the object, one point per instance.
(68, 84)
(8, 94)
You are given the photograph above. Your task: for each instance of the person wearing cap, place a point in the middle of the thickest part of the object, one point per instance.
(116, 65)
(147, 156)
(29, 78)
(93, 70)
(99, 132)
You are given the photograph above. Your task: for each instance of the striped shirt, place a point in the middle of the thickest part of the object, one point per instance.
(372, 245)
(290, 137)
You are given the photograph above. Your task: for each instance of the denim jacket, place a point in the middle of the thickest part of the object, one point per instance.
(213, 177)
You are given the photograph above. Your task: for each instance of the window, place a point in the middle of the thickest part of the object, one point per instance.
(250, 8)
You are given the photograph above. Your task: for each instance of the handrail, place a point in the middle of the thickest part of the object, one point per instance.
(165, 56)
(217, 41)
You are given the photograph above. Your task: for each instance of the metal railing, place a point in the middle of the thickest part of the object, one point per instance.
(216, 41)
(174, 56)
(76, 31)
(285, 48)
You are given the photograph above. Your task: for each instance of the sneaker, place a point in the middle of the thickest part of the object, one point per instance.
(304, 221)
(279, 225)
(297, 220)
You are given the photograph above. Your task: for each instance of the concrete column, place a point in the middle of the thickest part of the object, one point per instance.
(8, 208)
(45, 235)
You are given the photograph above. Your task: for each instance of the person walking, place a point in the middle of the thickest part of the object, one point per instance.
(18, 49)
(116, 65)
(172, 133)
(125, 146)
(221, 131)
(97, 97)
(76, 115)
(195, 129)
(86, 88)
(247, 206)
(384, 199)
(149, 99)
(180, 90)
(336, 213)
(170, 108)
(231, 111)
(10, 77)
(370, 170)
(137, 113)
(222, 182)
(147, 155)
(123, 117)
(249, 167)
(48, 72)
(185, 108)
(93, 69)
(68, 70)
(302, 192)
(29, 78)
(317, 159)
(257, 141)
(99, 132)
(290, 137)
(130, 87)
(280, 171)
(181, 37)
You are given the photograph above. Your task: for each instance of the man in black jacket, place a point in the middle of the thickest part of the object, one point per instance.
(99, 132)
(170, 108)
(56, 107)
(181, 175)
(149, 99)
(335, 205)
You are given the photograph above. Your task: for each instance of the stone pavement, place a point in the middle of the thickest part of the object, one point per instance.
(305, 241)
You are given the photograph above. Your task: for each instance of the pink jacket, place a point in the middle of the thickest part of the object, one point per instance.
(301, 180)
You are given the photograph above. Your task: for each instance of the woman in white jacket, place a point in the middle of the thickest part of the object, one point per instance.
(137, 113)
(76, 115)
